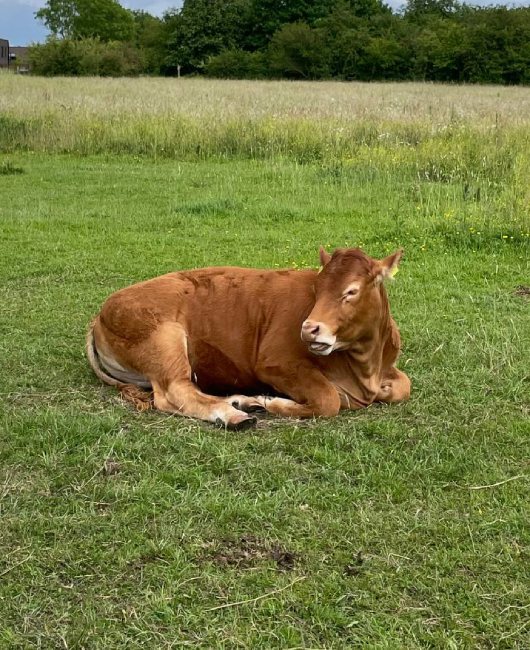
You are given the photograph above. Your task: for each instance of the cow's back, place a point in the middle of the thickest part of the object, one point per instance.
(133, 313)
(227, 314)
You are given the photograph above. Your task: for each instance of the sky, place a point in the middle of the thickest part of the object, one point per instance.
(18, 24)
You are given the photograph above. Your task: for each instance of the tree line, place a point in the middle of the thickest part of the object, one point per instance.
(431, 40)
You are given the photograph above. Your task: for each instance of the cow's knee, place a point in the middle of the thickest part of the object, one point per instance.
(394, 389)
(327, 406)
(311, 393)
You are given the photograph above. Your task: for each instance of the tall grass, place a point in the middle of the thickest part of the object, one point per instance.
(474, 139)
(444, 130)
(221, 100)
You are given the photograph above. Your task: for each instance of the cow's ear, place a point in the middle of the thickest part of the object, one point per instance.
(324, 256)
(388, 267)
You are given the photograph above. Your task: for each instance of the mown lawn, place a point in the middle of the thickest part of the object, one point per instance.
(133, 530)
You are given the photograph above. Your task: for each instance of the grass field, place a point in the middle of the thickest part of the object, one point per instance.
(134, 530)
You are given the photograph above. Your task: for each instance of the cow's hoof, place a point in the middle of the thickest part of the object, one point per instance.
(253, 408)
(247, 405)
(237, 423)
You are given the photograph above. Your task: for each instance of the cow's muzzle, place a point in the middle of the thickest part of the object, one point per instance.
(319, 337)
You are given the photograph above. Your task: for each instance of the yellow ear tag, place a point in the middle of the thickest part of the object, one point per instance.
(394, 271)
(320, 269)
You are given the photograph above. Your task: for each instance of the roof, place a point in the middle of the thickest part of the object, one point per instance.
(20, 52)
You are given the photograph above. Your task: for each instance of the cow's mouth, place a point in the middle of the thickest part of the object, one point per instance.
(320, 348)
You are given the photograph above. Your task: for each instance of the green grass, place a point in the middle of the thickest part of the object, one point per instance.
(124, 530)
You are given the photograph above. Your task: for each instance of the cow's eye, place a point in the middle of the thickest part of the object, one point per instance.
(350, 293)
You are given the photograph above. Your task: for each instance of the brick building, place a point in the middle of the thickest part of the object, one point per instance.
(19, 59)
(4, 53)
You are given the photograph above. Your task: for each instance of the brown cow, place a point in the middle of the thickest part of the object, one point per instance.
(317, 342)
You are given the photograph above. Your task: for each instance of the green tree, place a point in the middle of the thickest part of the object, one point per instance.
(59, 17)
(420, 10)
(479, 45)
(76, 19)
(365, 42)
(366, 8)
(202, 29)
(268, 16)
(296, 50)
(346, 36)
(498, 45)
(441, 51)
(149, 38)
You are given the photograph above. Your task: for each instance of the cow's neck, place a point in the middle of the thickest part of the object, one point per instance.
(357, 372)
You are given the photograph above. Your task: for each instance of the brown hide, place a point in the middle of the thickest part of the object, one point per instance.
(220, 331)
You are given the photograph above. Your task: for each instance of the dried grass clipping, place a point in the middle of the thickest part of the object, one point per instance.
(142, 400)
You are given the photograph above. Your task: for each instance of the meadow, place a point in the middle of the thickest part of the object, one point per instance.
(401, 526)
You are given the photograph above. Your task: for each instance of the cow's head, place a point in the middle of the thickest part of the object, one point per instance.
(348, 299)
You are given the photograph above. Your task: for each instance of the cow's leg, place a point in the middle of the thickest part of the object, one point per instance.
(182, 397)
(245, 403)
(395, 387)
(311, 393)
(174, 392)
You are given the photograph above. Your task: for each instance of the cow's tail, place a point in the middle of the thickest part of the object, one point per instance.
(143, 400)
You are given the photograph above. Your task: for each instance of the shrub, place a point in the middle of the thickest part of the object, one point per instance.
(87, 57)
(55, 57)
(238, 64)
(114, 59)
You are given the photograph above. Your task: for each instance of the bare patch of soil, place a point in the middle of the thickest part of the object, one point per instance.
(355, 567)
(523, 291)
(111, 467)
(249, 551)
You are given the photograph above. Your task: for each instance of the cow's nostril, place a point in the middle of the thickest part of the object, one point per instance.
(315, 330)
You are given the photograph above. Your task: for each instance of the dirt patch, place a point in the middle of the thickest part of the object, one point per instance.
(355, 566)
(249, 551)
(111, 467)
(145, 559)
(523, 291)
